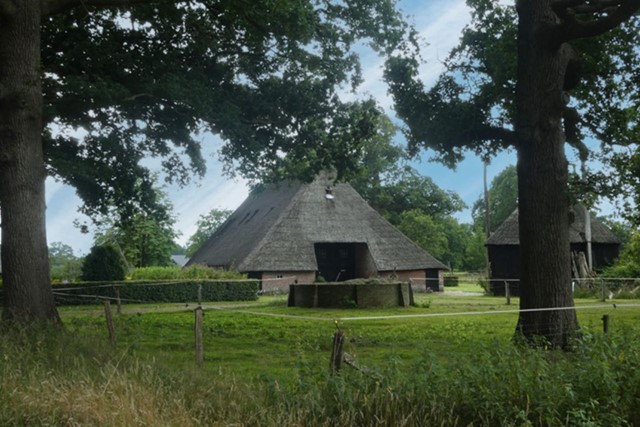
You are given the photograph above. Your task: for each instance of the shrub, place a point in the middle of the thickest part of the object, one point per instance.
(485, 284)
(103, 263)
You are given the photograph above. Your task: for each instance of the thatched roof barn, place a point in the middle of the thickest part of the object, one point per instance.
(295, 231)
(504, 246)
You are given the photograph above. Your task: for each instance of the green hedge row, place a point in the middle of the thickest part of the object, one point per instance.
(155, 292)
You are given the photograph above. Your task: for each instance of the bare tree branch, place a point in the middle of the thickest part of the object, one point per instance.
(52, 7)
(614, 13)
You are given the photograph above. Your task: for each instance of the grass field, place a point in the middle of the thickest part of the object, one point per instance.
(266, 337)
(449, 360)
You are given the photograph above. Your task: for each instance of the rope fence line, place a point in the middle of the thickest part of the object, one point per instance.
(382, 317)
(97, 297)
(338, 355)
(359, 318)
(612, 307)
(422, 315)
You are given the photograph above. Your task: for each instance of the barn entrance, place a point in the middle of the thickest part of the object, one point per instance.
(338, 262)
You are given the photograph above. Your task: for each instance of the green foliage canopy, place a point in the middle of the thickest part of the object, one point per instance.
(385, 179)
(145, 239)
(628, 265)
(471, 106)
(207, 224)
(263, 76)
(63, 262)
(88, 88)
(503, 200)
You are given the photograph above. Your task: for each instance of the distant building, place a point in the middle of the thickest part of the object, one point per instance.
(180, 260)
(298, 232)
(504, 246)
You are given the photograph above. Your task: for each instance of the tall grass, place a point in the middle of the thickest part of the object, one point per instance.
(51, 377)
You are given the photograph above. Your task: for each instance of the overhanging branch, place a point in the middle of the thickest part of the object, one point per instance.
(599, 17)
(503, 136)
(52, 7)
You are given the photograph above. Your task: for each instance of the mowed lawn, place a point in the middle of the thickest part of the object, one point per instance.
(267, 339)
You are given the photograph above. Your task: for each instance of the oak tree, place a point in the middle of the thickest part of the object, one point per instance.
(90, 88)
(534, 87)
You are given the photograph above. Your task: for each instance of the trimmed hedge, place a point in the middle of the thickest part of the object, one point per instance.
(192, 272)
(155, 292)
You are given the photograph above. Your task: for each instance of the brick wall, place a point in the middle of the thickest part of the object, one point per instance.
(280, 280)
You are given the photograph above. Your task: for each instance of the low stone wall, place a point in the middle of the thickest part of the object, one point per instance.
(349, 295)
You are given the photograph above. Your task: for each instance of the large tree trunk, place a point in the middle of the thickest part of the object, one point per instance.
(25, 264)
(542, 181)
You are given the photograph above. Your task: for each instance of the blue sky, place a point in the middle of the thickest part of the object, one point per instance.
(440, 23)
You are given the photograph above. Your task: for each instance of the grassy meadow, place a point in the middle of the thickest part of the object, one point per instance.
(266, 364)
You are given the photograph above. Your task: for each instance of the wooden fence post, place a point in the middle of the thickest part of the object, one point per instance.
(605, 323)
(198, 338)
(604, 298)
(507, 292)
(337, 352)
(116, 290)
(199, 293)
(110, 327)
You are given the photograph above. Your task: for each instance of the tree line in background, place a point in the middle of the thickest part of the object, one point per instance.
(411, 202)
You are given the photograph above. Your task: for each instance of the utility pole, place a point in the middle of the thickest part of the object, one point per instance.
(487, 219)
(587, 224)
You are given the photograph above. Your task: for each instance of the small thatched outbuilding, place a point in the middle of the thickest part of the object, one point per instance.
(504, 246)
(298, 232)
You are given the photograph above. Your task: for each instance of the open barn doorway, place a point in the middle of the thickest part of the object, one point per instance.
(338, 262)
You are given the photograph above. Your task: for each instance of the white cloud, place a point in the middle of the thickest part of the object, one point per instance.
(440, 32)
(442, 35)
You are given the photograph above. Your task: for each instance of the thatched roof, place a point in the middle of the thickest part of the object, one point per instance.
(275, 230)
(508, 232)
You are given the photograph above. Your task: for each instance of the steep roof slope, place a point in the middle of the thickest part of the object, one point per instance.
(300, 215)
(509, 234)
(236, 237)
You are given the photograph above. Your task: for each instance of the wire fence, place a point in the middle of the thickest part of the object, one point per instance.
(452, 331)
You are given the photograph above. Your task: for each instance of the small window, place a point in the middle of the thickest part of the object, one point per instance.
(279, 276)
